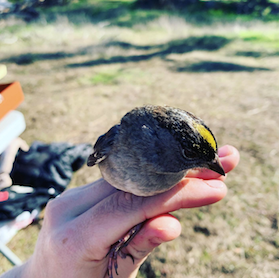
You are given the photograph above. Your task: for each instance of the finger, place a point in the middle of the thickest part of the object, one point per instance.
(229, 157)
(119, 212)
(155, 231)
(76, 201)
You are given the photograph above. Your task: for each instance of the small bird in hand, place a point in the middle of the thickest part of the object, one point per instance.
(149, 152)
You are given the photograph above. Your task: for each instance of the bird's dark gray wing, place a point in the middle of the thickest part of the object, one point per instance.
(103, 146)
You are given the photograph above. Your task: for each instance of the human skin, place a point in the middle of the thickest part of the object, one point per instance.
(80, 226)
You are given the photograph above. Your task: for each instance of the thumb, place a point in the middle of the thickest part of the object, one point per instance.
(155, 231)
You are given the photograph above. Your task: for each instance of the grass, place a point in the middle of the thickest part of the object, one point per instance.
(104, 78)
(81, 74)
(269, 40)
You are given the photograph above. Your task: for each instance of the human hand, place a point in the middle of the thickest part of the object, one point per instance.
(81, 225)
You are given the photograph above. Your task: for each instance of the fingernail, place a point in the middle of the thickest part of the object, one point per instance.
(214, 183)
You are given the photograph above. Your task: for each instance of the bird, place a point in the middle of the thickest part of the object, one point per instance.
(149, 152)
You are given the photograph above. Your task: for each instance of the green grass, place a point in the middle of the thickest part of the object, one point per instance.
(269, 39)
(105, 78)
(113, 76)
(126, 13)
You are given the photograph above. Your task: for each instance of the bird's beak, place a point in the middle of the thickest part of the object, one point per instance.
(216, 166)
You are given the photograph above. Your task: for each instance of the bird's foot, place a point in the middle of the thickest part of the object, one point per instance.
(116, 249)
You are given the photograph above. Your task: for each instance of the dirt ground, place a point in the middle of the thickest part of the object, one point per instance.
(80, 79)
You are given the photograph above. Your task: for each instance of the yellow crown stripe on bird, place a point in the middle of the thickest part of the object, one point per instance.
(206, 134)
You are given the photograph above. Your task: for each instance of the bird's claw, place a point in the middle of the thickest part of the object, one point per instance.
(116, 249)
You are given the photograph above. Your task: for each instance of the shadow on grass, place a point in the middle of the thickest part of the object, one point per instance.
(113, 13)
(206, 43)
(209, 66)
(256, 54)
(30, 58)
(146, 270)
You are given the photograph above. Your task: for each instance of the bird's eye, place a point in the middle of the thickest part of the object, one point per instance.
(189, 154)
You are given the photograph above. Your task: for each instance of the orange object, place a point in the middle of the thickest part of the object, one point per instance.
(11, 96)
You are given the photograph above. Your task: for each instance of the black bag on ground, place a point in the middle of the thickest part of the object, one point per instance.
(49, 165)
(41, 173)
(16, 199)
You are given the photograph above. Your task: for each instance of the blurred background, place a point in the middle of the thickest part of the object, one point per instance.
(83, 64)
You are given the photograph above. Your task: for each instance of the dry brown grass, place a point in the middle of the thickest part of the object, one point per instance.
(238, 237)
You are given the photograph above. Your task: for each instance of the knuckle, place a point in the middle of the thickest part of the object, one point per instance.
(50, 207)
(70, 192)
(53, 210)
